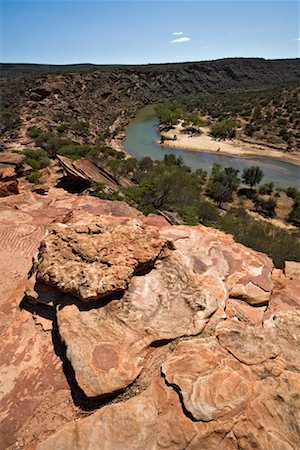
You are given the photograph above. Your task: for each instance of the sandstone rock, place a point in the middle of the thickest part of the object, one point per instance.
(10, 158)
(244, 312)
(227, 405)
(285, 294)
(206, 376)
(250, 345)
(86, 171)
(292, 270)
(284, 330)
(272, 419)
(152, 420)
(11, 166)
(8, 188)
(107, 346)
(200, 368)
(247, 274)
(36, 399)
(95, 261)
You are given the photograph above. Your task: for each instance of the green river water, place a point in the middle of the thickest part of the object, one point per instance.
(141, 138)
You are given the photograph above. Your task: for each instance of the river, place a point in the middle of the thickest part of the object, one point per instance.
(141, 138)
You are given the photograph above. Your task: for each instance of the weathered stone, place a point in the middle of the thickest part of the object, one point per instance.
(248, 344)
(232, 405)
(206, 376)
(285, 294)
(247, 274)
(292, 270)
(10, 158)
(107, 346)
(152, 420)
(230, 380)
(35, 396)
(244, 312)
(86, 171)
(8, 188)
(284, 330)
(95, 261)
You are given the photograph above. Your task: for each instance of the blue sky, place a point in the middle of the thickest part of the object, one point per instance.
(137, 32)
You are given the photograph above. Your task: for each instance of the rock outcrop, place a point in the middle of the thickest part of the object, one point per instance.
(86, 171)
(167, 337)
(12, 165)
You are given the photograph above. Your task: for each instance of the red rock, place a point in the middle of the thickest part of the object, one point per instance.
(292, 270)
(35, 395)
(206, 376)
(244, 312)
(107, 346)
(202, 370)
(285, 295)
(95, 261)
(248, 344)
(247, 274)
(239, 406)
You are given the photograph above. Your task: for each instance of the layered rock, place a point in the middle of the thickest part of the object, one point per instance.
(180, 337)
(246, 273)
(35, 395)
(209, 400)
(107, 346)
(86, 171)
(12, 165)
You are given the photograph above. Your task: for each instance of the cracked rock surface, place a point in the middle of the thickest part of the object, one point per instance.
(135, 334)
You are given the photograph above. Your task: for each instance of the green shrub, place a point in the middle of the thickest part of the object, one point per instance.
(34, 177)
(266, 189)
(208, 213)
(266, 207)
(34, 132)
(252, 176)
(294, 216)
(36, 158)
(61, 128)
(225, 129)
(76, 151)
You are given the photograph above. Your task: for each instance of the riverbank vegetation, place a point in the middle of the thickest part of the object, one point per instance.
(219, 199)
(270, 116)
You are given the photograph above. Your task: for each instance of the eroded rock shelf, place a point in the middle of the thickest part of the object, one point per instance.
(140, 335)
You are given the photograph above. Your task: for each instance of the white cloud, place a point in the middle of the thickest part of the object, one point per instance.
(298, 39)
(182, 39)
(177, 33)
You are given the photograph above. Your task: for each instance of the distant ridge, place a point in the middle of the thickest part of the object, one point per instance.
(14, 69)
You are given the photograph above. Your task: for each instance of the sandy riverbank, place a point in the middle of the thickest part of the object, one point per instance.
(234, 147)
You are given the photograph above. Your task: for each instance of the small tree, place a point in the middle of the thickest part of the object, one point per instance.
(252, 176)
(219, 192)
(266, 207)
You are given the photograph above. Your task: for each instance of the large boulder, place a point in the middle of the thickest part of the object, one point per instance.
(95, 261)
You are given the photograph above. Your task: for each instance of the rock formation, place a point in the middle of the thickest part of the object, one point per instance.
(12, 165)
(137, 334)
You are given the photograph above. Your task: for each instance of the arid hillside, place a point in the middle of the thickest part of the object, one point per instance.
(81, 102)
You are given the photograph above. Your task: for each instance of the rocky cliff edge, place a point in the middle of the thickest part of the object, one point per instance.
(121, 331)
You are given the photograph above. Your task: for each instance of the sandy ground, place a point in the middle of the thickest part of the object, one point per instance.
(234, 147)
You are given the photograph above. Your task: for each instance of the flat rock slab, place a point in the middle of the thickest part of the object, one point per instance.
(207, 376)
(207, 399)
(107, 346)
(95, 261)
